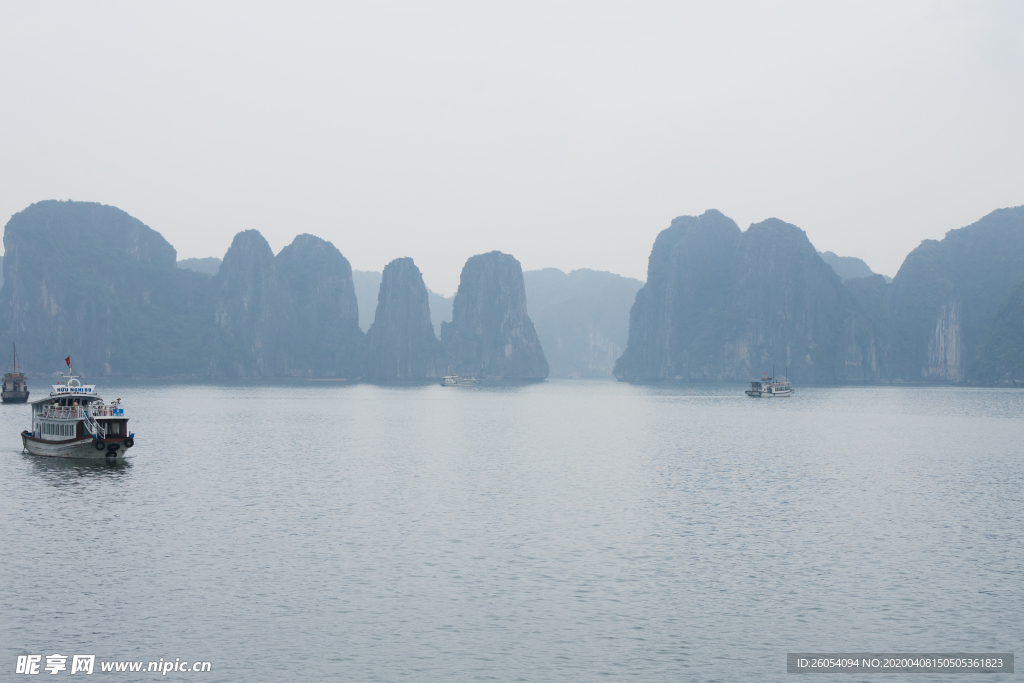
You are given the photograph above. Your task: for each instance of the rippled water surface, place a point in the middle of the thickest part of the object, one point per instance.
(568, 530)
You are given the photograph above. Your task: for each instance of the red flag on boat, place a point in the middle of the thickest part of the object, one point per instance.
(68, 361)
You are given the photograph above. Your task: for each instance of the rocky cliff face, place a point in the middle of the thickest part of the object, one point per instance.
(291, 315)
(582, 318)
(401, 344)
(946, 294)
(316, 314)
(246, 288)
(1002, 359)
(90, 280)
(491, 334)
(94, 274)
(720, 304)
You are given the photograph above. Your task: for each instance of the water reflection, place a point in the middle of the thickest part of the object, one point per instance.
(72, 471)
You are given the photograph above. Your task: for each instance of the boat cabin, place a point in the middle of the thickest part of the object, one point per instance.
(15, 381)
(76, 413)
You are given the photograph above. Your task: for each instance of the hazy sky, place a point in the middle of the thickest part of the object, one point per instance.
(568, 135)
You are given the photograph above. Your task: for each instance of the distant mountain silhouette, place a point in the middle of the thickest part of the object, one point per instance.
(209, 265)
(848, 267)
(721, 304)
(367, 285)
(90, 280)
(582, 318)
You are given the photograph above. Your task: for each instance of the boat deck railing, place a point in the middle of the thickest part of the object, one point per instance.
(80, 412)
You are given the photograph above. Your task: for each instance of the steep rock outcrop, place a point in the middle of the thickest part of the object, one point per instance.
(90, 280)
(581, 318)
(491, 334)
(680, 312)
(401, 344)
(946, 294)
(720, 304)
(315, 315)
(246, 288)
(1001, 361)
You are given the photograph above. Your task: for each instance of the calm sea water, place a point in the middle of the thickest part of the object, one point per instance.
(563, 531)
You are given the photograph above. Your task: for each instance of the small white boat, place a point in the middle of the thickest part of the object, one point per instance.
(73, 422)
(770, 387)
(456, 381)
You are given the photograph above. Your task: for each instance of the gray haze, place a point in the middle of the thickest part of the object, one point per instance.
(567, 135)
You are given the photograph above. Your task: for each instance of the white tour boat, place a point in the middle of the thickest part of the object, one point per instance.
(770, 387)
(73, 422)
(456, 381)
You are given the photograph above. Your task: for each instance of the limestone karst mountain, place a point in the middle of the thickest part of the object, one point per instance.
(245, 290)
(581, 318)
(945, 297)
(316, 314)
(491, 335)
(90, 280)
(367, 284)
(1001, 360)
(401, 344)
(721, 304)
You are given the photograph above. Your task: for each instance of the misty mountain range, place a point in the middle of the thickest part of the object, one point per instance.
(719, 304)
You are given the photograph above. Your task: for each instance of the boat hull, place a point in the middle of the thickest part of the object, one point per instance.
(14, 396)
(768, 394)
(71, 448)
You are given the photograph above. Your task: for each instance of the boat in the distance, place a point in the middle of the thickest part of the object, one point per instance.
(457, 381)
(15, 384)
(73, 422)
(770, 387)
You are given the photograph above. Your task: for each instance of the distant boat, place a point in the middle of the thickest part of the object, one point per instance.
(770, 387)
(456, 381)
(574, 375)
(15, 386)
